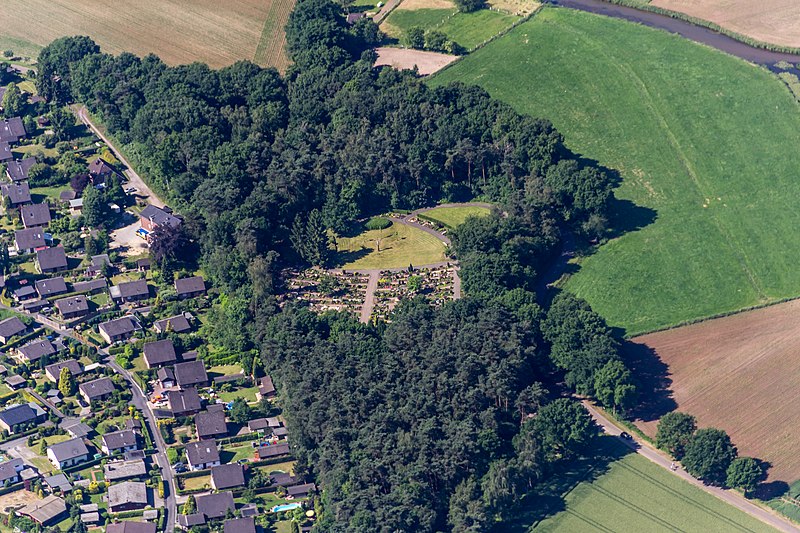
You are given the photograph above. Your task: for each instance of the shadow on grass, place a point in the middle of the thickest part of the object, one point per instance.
(548, 499)
(347, 257)
(626, 216)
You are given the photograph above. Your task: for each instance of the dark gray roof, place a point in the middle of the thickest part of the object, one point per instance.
(165, 373)
(191, 373)
(258, 423)
(72, 304)
(189, 520)
(18, 414)
(26, 291)
(18, 192)
(11, 129)
(99, 167)
(97, 388)
(160, 352)
(301, 490)
(127, 492)
(51, 258)
(211, 423)
(11, 326)
(202, 452)
(35, 305)
(35, 214)
(119, 326)
(159, 217)
(227, 476)
(15, 380)
(119, 439)
(215, 505)
(130, 289)
(177, 323)
(131, 527)
(240, 525)
(33, 351)
(29, 238)
(69, 449)
(91, 285)
(190, 285)
(46, 510)
(73, 365)
(51, 286)
(184, 401)
(273, 450)
(18, 170)
(7, 471)
(5, 152)
(266, 386)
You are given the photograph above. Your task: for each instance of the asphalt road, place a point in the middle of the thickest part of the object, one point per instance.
(728, 496)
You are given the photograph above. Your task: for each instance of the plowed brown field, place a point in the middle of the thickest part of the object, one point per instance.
(742, 374)
(178, 31)
(770, 21)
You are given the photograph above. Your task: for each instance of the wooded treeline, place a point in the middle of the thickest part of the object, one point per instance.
(444, 418)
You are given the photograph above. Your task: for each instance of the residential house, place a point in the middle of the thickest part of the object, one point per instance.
(11, 327)
(11, 129)
(240, 525)
(58, 482)
(16, 382)
(268, 451)
(119, 470)
(9, 472)
(53, 372)
(51, 260)
(127, 496)
(143, 264)
(26, 292)
(73, 307)
(130, 291)
(215, 506)
(35, 215)
(33, 351)
(99, 172)
(152, 217)
(119, 441)
(166, 377)
(118, 329)
(190, 287)
(18, 193)
(18, 170)
(211, 425)
(76, 206)
(27, 241)
(300, 491)
(51, 287)
(35, 306)
(266, 388)
(191, 373)
(184, 402)
(227, 476)
(97, 263)
(177, 324)
(90, 287)
(202, 455)
(130, 526)
(159, 353)
(68, 453)
(79, 430)
(47, 511)
(352, 18)
(5, 153)
(259, 424)
(21, 415)
(97, 389)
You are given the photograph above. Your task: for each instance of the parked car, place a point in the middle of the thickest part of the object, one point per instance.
(626, 436)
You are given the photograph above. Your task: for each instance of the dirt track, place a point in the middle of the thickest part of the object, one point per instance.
(742, 374)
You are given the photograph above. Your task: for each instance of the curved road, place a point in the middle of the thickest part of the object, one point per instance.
(728, 496)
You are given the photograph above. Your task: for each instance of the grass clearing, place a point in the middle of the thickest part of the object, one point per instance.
(400, 245)
(200, 482)
(248, 394)
(455, 216)
(715, 202)
(179, 31)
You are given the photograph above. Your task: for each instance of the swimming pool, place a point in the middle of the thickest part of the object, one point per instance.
(285, 507)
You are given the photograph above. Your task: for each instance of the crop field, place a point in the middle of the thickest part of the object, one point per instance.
(400, 246)
(455, 216)
(770, 21)
(637, 495)
(179, 31)
(740, 373)
(707, 207)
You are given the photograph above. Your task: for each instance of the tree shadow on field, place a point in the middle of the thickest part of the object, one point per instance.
(626, 216)
(652, 374)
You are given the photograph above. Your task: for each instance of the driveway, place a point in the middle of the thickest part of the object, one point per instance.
(126, 241)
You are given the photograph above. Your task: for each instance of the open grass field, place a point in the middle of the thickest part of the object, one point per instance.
(714, 201)
(179, 31)
(400, 246)
(637, 495)
(770, 21)
(455, 216)
(467, 29)
(740, 373)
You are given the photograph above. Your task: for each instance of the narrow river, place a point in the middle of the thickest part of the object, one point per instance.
(685, 29)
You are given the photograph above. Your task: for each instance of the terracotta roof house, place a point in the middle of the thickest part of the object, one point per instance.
(184, 402)
(119, 441)
(35, 215)
(240, 525)
(68, 453)
(177, 323)
(47, 511)
(227, 476)
(53, 372)
(15, 416)
(131, 527)
(18, 170)
(215, 506)
(27, 241)
(18, 193)
(127, 496)
(191, 373)
(51, 287)
(202, 455)
(211, 425)
(152, 217)
(130, 291)
(11, 129)
(118, 329)
(159, 353)
(11, 327)
(35, 350)
(73, 307)
(190, 287)
(97, 389)
(51, 260)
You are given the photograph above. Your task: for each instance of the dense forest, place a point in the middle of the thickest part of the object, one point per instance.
(444, 418)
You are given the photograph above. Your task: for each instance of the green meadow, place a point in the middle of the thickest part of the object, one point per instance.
(706, 147)
(467, 29)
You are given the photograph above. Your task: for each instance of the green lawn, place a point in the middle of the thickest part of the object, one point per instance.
(633, 494)
(199, 482)
(41, 464)
(455, 216)
(247, 393)
(705, 144)
(231, 454)
(400, 245)
(224, 370)
(467, 29)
